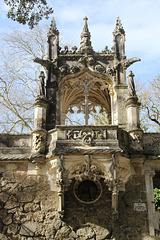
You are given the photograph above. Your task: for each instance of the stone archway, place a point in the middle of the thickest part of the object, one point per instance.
(85, 90)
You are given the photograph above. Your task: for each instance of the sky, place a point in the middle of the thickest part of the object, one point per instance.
(140, 20)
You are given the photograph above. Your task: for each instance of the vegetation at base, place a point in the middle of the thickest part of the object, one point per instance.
(157, 198)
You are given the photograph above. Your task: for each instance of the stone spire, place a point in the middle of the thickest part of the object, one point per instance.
(53, 41)
(119, 28)
(85, 46)
(119, 40)
(53, 28)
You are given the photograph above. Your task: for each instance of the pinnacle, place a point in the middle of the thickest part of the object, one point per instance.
(119, 22)
(85, 18)
(85, 27)
(53, 28)
(85, 38)
(119, 27)
(53, 23)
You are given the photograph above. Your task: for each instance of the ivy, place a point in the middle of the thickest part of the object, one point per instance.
(157, 198)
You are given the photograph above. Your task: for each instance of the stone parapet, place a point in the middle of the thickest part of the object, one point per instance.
(151, 142)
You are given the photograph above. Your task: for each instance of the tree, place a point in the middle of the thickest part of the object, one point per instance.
(19, 77)
(149, 96)
(28, 11)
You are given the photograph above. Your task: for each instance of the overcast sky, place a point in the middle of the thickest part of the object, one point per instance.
(140, 19)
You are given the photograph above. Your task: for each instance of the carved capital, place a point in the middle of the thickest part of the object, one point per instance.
(149, 172)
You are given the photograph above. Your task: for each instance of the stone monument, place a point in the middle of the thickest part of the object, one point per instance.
(81, 181)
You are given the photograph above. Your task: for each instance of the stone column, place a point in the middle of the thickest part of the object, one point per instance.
(60, 184)
(115, 184)
(39, 133)
(40, 112)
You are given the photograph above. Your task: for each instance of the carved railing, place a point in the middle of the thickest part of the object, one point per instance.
(87, 134)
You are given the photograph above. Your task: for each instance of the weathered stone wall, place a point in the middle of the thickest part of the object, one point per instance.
(132, 225)
(28, 210)
(27, 206)
(89, 221)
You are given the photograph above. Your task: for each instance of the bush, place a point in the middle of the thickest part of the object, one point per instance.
(157, 198)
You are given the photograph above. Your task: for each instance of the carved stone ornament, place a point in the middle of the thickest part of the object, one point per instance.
(82, 62)
(60, 171)
(74, 49)
(86, 170)
(99, 68)
(61, 176)
(136, 141)
(110, 71)
(91, 61)
(63, 70)
(74, 69)
(39, 142)
(86, 135)
(41, 89)
(126, 169)
(131, 85)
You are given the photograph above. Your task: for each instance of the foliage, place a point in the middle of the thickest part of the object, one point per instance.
(157, 198)
(28, 11)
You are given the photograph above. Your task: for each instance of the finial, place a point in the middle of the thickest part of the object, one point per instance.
(131, 86)
(119, 27)
(53, 28)
(85, 38)
(53, 24)
(85, 27)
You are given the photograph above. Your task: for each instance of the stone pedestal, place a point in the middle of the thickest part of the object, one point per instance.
(132, 106)
(119, 111)
(40, 112)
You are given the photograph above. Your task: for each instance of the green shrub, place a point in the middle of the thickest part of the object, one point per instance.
(157, 198)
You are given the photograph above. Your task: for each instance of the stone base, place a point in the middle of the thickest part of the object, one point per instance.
(28, 210)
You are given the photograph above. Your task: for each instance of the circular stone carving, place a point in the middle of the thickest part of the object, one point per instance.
(87, 191)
